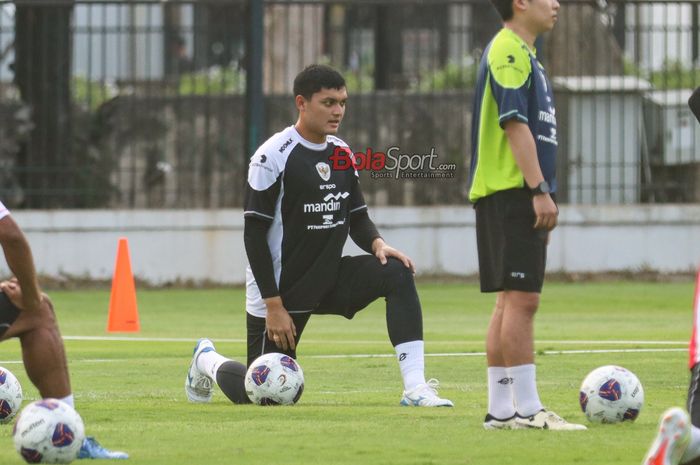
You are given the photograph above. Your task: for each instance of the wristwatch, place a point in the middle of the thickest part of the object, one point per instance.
(542, 188)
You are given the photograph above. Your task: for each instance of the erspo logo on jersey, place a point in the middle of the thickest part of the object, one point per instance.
(393, 163)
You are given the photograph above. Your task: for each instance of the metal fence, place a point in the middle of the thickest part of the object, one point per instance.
(148, 104)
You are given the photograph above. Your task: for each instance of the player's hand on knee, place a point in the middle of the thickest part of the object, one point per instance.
(13, 290)
(383, 251)
(280, 326)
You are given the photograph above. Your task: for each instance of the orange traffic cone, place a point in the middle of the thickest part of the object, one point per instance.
(123, 313)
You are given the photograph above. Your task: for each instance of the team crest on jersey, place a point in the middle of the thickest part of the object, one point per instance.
(323, 170)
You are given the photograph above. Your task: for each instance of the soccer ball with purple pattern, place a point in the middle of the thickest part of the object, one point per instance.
(10, 395)
(49, 431)
(611, 394)
(274, 379)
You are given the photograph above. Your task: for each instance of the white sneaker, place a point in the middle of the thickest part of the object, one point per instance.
(425, 395)
(546, 419)
(198, 386)
(671, 440)
(491, 422)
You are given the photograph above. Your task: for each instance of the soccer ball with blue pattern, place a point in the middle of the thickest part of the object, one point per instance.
(10, 395)
(49, 431)
(274, 379)
(611, 394)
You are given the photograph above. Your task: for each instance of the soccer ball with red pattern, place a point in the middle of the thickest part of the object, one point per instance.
(611, 394)
(274, 379)
(10, 395)
(49, 431)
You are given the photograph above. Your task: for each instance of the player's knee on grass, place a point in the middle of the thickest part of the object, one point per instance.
(231, 380)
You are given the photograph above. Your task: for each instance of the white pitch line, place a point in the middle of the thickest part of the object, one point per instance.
(377, 341)
(452, 354)
(86, 360)
(650, 343)
(483, 354)
(141, 339)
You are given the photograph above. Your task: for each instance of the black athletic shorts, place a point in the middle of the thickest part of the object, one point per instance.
(693, 404)
(8, 313)
(359, 283)
(512, 254)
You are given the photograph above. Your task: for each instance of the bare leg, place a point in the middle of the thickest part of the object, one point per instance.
(517, 327)
(494, 352)
(42, 351)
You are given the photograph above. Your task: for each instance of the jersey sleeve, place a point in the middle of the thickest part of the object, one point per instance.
(259, 256)
(510, 70)
(3, 211)
(363, 231)
(263, 189)
(357, 200)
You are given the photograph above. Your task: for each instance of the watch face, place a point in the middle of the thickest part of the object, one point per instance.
(542, 188)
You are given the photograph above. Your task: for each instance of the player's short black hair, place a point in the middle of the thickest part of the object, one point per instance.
(316, 77)
(504, 8)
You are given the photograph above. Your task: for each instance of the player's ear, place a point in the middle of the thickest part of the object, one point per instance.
(300, 102)
(520, 5)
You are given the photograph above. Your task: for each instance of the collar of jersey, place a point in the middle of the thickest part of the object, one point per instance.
(515, 36)
(309, 144)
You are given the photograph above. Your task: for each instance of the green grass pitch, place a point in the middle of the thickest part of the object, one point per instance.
(131, 397)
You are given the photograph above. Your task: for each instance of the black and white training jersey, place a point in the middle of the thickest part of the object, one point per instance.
(292, 185)
(3, 211)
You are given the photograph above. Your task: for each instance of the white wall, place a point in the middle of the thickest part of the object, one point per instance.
(207, 245)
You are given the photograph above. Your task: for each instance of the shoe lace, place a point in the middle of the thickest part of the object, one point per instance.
(91, 449)
(553, 417)
(432, 385)
(203, 382)
(90, 446)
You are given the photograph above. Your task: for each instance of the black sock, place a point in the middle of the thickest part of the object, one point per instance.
(231, 380)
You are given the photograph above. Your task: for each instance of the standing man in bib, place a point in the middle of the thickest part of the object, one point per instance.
(512, 182)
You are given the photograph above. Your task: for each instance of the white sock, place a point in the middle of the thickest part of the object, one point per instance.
(68, 400)
(527, 401)
(500, 393)
(411, 363)
(693, 450)
(209, 363)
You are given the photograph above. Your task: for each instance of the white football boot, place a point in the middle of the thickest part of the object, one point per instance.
(198, 386)
(425, 395)
(546, 419)
(491, 422)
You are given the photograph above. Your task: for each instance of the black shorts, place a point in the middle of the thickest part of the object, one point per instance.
(8, 313)
(693, 403)
(360, 282)
(512, 254)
